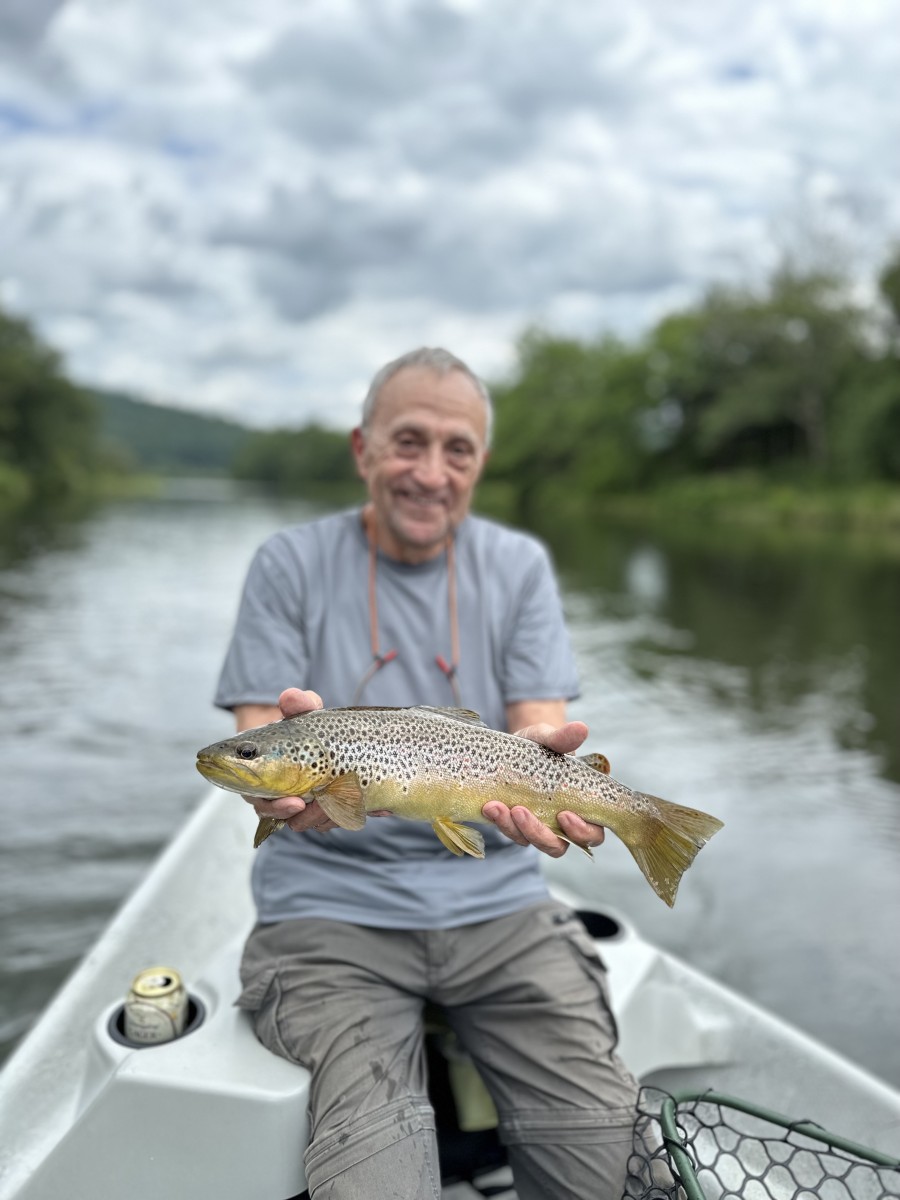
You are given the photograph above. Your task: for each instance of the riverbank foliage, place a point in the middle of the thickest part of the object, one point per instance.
(49, 449)
(790, 394)
(775, 404)
(63, 446)
(297, 460)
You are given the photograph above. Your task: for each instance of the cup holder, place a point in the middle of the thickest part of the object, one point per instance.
(196, 1014)
(600, 925)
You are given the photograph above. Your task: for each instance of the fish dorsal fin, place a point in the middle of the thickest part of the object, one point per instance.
(597, 762)
(341, 801)
(361, 708)
(466, 715)
(266, 826)
(459, 839)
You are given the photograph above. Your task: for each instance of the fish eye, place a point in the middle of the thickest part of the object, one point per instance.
(247, 750)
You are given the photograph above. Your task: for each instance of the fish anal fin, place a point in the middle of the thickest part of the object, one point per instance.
(266, 826)
(597, 762)
(342, 802)
(587, 850)
(459, 839)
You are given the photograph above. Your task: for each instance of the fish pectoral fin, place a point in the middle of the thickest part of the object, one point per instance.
(459, 839)
(342, 802)
(266, 826)
(587, 850)
(597, 762)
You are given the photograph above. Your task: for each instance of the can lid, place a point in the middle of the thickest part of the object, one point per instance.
(154, 982)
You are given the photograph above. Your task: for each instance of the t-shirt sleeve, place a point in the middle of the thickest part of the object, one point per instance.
(538, 663)
(268, 649)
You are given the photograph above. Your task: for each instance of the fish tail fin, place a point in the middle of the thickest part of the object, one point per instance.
(673, 838)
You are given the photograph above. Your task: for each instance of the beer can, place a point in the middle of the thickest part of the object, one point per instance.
(156, 1006)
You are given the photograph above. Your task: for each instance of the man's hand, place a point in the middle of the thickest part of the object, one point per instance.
(299, 813)
(521, 825)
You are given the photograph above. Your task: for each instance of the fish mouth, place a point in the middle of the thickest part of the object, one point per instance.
(225, 774)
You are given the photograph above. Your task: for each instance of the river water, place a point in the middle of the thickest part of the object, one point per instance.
(754, 677)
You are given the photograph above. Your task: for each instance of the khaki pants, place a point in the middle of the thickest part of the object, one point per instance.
(526, 997)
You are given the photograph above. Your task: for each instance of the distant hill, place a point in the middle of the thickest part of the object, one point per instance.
(155, 437)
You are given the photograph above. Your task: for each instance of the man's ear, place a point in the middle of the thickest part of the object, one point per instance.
(358, 446)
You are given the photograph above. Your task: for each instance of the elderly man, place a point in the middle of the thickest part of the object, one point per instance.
(412, 600)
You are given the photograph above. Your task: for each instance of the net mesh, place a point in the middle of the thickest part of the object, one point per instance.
(703, 1147)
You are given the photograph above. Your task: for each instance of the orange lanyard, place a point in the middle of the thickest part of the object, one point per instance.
(380, 660)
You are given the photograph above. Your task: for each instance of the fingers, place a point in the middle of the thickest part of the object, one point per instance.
(299, 814)
(563, 740)
(583, 833)
(522, 826)
(294, 701)
(281, 808)
(312, 820)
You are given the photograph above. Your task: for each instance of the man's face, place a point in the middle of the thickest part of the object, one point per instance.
(421, 457)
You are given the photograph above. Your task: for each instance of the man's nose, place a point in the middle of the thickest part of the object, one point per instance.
(431, 469)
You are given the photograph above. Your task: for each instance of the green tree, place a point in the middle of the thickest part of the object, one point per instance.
(868, 422)
(757, 380)
(889, 285)
(48, 447)
(572, 412)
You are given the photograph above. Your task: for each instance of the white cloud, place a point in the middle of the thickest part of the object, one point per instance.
(249, 210)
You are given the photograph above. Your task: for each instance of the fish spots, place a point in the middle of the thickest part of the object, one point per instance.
(403, 748)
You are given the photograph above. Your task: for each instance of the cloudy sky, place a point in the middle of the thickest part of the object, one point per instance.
(247, 208)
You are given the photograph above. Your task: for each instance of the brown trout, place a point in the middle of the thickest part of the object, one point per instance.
(443, 765)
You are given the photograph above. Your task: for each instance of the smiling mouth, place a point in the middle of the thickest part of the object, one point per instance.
(418, 500)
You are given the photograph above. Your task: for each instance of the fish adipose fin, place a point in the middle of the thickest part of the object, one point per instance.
(266, 826)
(671, 843)
(342, 802)
(459, 839)
(597, 762)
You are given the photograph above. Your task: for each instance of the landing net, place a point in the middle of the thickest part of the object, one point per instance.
(707, 1146)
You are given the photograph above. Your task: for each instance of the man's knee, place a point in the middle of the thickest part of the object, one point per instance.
(569, 1154)
(393, 1147)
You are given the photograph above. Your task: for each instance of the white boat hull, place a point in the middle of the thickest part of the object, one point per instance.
(215, 1114)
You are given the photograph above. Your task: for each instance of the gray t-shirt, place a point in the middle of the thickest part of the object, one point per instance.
(304, 622)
